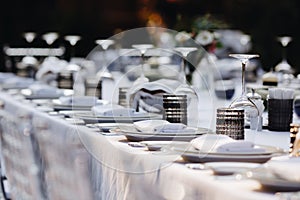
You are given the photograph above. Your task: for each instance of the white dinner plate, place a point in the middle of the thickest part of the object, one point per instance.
(29, 95)
(57, 105)
(268, 150)
(105, 127)
(141, 137)
(271, 182)
(229, 168)
(157, 145)
(90, 118)
(130, 129)
(190, 154)
(136, 136)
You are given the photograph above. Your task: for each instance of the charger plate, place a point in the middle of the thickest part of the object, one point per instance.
(190, 154)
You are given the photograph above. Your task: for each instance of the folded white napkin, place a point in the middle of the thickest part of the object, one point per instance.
(151, 94)
(18, 81)
(149, 125)
(239, 146)
(161, 126)
(112, 110)
(41, 89)
(223, 143)
(171, 127)
(78, 100)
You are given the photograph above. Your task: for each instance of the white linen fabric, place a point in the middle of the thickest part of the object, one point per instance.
(111, 169)
(112, 110)
(78, 100)
(42, 89)
(149, 95)
(161, 126)
(223, 143)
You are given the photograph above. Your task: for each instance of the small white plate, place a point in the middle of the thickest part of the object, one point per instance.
(229, 168)
(271, 182)
(157, 145)
(90, 118)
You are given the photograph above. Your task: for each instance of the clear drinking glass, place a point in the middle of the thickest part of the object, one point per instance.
(142, 48)
(184, 51)
(50, 37)
(29, 36)
(186, 89)
(284, 66)
(72, 39)
(104, 45)
(243, 101)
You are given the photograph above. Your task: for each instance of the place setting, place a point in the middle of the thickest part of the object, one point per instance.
(76, 102)
(159, 130)
(279, 174)
(111, 113)
(43, 91)
(221, 148)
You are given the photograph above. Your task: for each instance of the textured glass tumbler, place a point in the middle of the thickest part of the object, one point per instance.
(123, 96)
(175, 108)
(280, 114)
(230, 122)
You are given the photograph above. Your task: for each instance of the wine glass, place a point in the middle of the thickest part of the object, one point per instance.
(29, 36)
(184, 51)
(142, 48)
(245, 42)
(284, 66)
(105, 44)
(185, 89)
(72, 39)
(251, 111)
(50, 37)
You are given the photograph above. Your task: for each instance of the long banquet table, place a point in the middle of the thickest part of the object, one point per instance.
(81, 163)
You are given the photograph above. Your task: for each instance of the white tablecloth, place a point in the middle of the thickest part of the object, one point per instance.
(111, 169)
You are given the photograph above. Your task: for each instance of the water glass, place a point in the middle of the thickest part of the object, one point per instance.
(230, 122)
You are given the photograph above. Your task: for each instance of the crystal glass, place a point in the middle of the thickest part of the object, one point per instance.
(184, 51)
(29, 36)
(186, 89)
(72, 39)
(105, 44)
(142, 48)
(243, 101)
(50, 37)
(284, 66)
(245, 41)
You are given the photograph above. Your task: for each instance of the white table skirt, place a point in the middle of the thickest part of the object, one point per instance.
(115, 170)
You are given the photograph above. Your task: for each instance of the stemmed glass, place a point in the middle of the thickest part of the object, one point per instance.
(29, 36)
(245, 42)
(243, 101)
(72, 39)
(50, 37)
(184, 51)
(29, 61)
(142, 48)
(105, 44)
(284, 65)
(185, 89)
